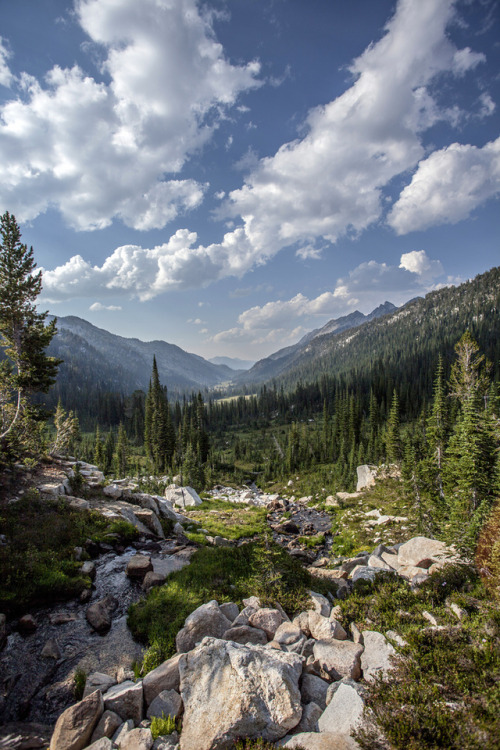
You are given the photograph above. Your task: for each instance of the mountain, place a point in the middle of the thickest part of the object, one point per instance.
(281, 361)
(233, 362)
(96, 359)
(398, 345)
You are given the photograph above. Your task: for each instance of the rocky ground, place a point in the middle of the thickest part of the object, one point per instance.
(299, 682)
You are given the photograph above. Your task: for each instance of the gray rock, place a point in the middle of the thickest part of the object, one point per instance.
(137, 739)
(167, 742)
(338, 659)
(107, 726)
(168, 702)
(153, 579)
(366, 476)
(229, 610)
(309, 721)
(244, 616)
(206, 620)
(321, 604)
(321, 741)
(150, 520)
(51, 650)
(376, 658)
(126, 700)
(267, 620)
(183, 497)
(252, 601)
(421, 549)
(99, 614)
(88, 569)
(98, 681)
(253, 691)
(313, 690)
(74, 727)
(344, 712)
(164, 677)
(245, 634)
(27, 625)
(324, 629)
(104, 743)
(122, 730)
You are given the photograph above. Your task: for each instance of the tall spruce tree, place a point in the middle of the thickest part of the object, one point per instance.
(24, 336)
(392, 436)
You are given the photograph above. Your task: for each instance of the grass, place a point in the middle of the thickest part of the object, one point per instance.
(79, 681)
(38, 562)
(232, 521)
(164, 725)
(224, 574)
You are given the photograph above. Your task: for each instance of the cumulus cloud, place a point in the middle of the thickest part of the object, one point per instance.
(448, 186)
(368, 285)
(98, 307)
(100, 150)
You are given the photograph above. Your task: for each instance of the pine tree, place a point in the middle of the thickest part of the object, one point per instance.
(437, 429)
(24, 336)
(121, 452)
(393, 437)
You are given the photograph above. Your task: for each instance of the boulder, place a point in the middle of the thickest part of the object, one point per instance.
(230, 610)
(374, 561)
(98, 681)
(107, 726)
(27, 625)
(164, 677)
(244, 616)
(113, 491)
(88, 569)
(168, 702)
(309, 721)
(367, 475)
(289, 633)
(153, 579)
(324, 629)
(165, 509)
(126, 700)
(313, 690)
(267, 620)
(183, 497)
(231, 691)
(337, 659)
(138, 566)
(420, 549)
(137, 739)
(51, 650)
(321, 741)
(74, 727)
(206, 620)
(321, 605)
(245, 634)
(145, 501)
(150, 520)
(122, 730)
(376, 658)
(102, 744)
(167, 742)
(344, 712)
(99, 614)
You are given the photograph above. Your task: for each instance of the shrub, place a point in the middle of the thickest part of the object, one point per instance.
(79, 681)
(163, 725)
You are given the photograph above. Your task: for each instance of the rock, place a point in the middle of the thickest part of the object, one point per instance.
(364, 573)
(137, 739)
(321, 604)
(98, 681)
(99, 613)
(168, 702)
(51, 650)
(309, 721)
(78, 503)
(123, 674)
(126, 700)
(420, 549)
(150, 520)
(252, 601)
(313, 690)
(321, 741)
(206, 620)
(164, 677)
(288, 633)
(165, 509)
(367, 475)
(153, 579)
(167, 742)
(344, 711)
(337, 659)
(374, 561)
(3, 630)
(27, 625)
(113, 491)
(410, 572)
(88, 569)
(107, 726)
(138, 566)
(245, 634)
(323, 629)
(230, 610)
(220, 541)
(251, 690)
(122, 731)
(244, 616)
(267, 620)
(459, 612)
(146, 501)
(102, 744)
(357, 635)
(332, 501)
(74, 727)
(289, 527)
(349, 565)
(183, 497)
(396, 638)
(376, 658)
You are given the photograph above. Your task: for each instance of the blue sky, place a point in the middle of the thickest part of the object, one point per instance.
(228, 175)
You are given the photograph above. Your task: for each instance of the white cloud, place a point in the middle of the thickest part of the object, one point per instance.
(98, 307)
(101, 150)
(448, 186)
(368, 285)
(309, 252)
(6, 76)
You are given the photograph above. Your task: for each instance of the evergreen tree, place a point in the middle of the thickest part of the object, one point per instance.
(99, 451)
(121, 452)
(392, 436)
(24, 336)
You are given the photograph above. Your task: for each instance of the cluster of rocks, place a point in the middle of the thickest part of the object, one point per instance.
(249, 673)
(413, 560)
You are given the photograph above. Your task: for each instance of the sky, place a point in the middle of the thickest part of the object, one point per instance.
(229, 175)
